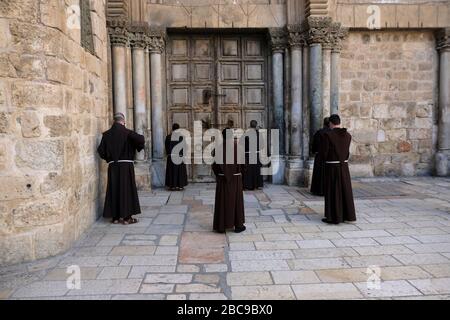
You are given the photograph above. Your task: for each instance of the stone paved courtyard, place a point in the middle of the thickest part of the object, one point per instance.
(286, 253)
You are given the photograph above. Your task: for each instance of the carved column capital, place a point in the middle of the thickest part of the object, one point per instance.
(138, 36)
(118, 32)
(338, 34)
(296, 38)
(317, 30)
(443, 39)
(278, 39)
(156, 39)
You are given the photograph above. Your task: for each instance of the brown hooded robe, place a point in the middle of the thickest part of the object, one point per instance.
(339, 205)
(229, 202)
(120, 143)
(252, 178)
(176, 174)
(317, 183)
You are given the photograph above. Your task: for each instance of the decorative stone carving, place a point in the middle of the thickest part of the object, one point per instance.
(117, 8)
(316, 7)
(278, 39)
(338, 33)
(317, 29)
(156, 39)
(296, 36)
(118, 32)
(138, 36)
(443, 39)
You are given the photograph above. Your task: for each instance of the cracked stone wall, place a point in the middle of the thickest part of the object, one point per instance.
(53, 107)
(388, 98)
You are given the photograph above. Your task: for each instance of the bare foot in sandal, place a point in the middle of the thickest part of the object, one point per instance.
(130, 221)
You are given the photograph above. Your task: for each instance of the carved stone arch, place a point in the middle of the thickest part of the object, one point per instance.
(117, 9)
(316, 8)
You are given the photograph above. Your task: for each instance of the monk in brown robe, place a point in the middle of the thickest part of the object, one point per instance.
(118, 147)
(335, 150)
(319, 165)
(252, 178)
(229, 202)
(176, 174)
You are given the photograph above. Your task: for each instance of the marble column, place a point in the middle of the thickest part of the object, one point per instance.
(317, 35)
(335, 81)
(308, 162)
(148, 98)
(326, 80)
(129, 75)
(278, 42)
(138, 45)
(142, 166)
(315, 86)
(339, 33)
(443, 152)
(294, 170)
(158, 170)
(287, 100)
(119, 41)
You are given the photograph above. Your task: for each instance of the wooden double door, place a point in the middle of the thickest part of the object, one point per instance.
(219, 80)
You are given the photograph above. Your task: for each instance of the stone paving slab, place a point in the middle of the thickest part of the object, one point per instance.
(109, 286)
(273, 292)
(321, 291)
(403, 231)
(399, 288)
(198, 247)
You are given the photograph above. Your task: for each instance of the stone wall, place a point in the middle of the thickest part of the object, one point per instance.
(389, 101)
(217, 13)
(53, 107)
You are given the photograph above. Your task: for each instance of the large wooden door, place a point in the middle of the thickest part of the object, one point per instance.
(220, 80)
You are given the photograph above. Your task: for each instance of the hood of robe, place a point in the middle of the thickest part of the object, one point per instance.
(340, 131)
(119, 134)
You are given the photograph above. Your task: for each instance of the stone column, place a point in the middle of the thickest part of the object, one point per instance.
(156, 47)
(317, 33)
(315, 86)
(138, 44)
(443, 152)
(294, 168)
(335, 80)
(148, 97)
(326, 80)
(338, 35)
(308, 163)
(118, 34)
(278, 44)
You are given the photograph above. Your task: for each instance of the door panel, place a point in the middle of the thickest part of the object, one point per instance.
(219, 80)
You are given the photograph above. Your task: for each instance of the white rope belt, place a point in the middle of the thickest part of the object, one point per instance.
(335, 162)
(252, 152)
(236, 174)
(120, 161)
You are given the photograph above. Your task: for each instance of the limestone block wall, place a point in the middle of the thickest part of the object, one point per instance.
(53, 107)
(388, 99)
(392, 14)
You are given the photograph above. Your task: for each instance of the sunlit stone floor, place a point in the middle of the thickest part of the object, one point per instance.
(402, 234)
